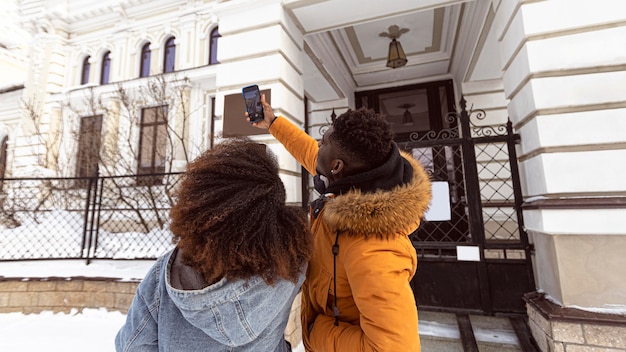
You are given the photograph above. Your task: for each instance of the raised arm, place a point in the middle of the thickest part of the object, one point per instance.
(299, 144)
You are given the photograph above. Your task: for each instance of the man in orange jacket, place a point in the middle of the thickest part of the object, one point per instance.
(357, 294)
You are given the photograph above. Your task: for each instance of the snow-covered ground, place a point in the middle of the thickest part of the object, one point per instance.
(90, 330)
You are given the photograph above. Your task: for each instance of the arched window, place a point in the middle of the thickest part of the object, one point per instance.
(144, 70)
(213, 46)
(84, 78)
(169, 57)
(106, 68)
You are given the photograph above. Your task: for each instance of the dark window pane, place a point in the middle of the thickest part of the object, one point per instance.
(213, 46)
(413, 110)
(152, 144)
(160, 148)
(3, 160)
(145, 61)
(443, 104)
(106, 68)
(145, 150)
(89, 142)
(84, 78)
(170, 56)
(406, 110)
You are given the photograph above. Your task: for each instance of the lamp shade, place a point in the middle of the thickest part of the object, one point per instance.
(396, 57)
(407, 118)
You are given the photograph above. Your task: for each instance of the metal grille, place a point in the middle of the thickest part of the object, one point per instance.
(475, 161)
(111, 218)
(496, 192)
(480, 258)
(443, 164)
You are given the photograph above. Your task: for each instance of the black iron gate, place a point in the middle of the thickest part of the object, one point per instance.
(474, 256)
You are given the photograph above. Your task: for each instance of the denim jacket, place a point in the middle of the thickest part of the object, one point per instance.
(240, 315)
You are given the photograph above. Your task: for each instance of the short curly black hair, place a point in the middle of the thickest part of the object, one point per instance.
(231, 220)
(364, 135)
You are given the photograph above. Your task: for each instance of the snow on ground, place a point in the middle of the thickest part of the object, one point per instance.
(121, 269)
(91, 330)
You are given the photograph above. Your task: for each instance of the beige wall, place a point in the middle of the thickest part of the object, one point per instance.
(582, 270)
(63, 295)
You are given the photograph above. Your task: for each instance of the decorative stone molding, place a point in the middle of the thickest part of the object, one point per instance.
(558, 328)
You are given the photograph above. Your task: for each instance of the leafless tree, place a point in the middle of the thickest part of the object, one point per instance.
(102, 140)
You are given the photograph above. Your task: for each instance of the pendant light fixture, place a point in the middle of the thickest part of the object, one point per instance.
(407, 118)
(396, 57)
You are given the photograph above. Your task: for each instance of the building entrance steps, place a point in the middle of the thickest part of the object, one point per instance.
(450, 332)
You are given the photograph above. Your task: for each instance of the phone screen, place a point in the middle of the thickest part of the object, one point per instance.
(252, 98)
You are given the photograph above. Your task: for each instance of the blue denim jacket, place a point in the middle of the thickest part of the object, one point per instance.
(240, 315)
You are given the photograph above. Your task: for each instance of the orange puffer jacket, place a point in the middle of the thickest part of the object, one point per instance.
(377, 310)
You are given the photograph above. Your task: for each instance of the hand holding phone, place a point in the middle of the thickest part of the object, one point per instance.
(252, 99)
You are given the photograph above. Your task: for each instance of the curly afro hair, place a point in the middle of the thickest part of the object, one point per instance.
(364, 136)
(231, 220)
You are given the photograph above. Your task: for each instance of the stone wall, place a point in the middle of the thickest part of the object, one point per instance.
(34, 295)
(558, 329)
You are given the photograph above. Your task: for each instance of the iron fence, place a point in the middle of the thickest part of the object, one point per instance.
(114, 217)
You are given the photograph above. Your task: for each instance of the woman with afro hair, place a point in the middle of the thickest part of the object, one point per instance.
(239, 260)
(357, 294)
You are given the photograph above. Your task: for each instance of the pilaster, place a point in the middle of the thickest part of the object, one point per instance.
(260, 45)
(563, 78)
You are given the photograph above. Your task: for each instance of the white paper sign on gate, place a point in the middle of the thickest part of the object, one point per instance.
(440, 205)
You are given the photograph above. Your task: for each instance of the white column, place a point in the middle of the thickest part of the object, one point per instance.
(261, 45)
(563, 65)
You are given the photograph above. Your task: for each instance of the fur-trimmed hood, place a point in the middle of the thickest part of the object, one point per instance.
(385, 213)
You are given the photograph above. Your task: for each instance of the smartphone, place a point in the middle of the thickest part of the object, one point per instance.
(252, 98)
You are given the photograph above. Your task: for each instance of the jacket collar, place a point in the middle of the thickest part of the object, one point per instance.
(395, 171)
(382, 212)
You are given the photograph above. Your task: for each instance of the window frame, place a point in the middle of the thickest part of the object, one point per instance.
(159, 125)
(436, 111)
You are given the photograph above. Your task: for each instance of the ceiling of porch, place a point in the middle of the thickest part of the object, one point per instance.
(346, 52)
